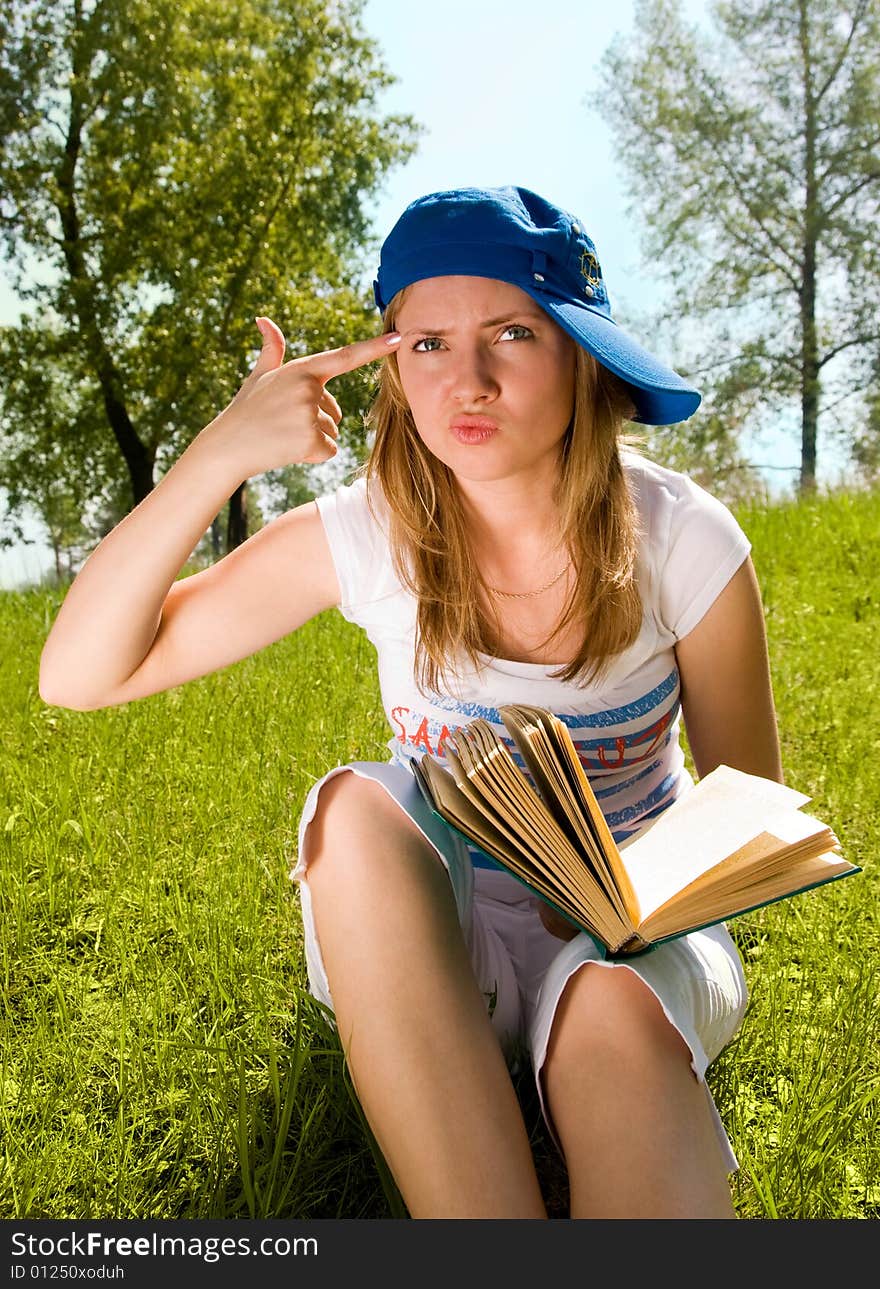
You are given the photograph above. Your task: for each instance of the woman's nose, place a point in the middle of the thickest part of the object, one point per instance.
(473, 377)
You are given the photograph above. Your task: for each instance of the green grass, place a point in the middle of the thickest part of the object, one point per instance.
(160, 1054)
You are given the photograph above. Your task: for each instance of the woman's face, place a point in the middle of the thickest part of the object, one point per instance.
(488, 376)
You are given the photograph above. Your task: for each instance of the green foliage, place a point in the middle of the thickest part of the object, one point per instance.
(159, 1054)
(804, 1080)
(175, 168)
(56, 453)
(753, 164)
(866, 448)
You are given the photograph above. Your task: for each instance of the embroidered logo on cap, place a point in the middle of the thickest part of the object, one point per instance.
(590, 271)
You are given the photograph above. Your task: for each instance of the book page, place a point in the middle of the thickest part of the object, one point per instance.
(698, 911)
(527, 725)
(453, 801)
(494, 775)
(517, 846)
(719, 816)
(554, 780)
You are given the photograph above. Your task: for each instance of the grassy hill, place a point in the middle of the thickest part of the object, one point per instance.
(159, 1055)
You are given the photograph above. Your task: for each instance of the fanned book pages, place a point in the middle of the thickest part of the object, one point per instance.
(731, 844)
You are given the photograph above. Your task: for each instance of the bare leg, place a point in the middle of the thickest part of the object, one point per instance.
(634, 1122)
(428, 1069)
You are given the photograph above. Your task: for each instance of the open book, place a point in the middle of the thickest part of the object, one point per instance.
(732, 843)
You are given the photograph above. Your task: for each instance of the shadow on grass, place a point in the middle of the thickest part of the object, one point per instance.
(305, 1150)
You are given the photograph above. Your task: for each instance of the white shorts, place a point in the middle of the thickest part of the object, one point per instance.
(522, 969)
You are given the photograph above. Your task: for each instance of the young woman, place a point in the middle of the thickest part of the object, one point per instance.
(503, 544)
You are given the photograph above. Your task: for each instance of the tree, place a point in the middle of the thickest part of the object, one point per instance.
(168, 170)
(48, 408)
(754, 162)
(866, 448)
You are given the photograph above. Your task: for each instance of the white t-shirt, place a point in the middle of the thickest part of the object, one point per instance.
(626, 727)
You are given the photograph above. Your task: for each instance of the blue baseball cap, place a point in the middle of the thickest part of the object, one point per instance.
(516, 236)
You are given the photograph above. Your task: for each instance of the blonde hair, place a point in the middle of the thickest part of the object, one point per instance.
(430, 543)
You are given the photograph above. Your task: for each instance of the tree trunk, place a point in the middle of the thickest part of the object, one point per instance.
(809, 367)
(137, 457)
(809, 405)
(809, 344)
(236, 528)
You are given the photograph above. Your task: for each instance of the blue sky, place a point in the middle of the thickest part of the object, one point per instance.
(507, 92)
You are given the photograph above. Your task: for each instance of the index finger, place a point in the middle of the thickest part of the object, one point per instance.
(334, 362)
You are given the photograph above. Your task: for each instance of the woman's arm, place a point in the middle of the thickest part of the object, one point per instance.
(126, 628)
(261, 591)
(726, 689)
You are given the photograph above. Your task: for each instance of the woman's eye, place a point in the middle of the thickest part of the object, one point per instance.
(427, 345)
(522, 333)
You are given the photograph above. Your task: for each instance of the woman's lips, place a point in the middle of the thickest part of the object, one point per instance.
(473, 429)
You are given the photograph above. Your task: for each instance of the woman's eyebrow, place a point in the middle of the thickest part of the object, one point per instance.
(490, 322)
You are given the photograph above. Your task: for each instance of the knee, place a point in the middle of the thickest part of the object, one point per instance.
(606, 1020)
(341, 802)
(346, 806)
(361, 840)
(373, 881)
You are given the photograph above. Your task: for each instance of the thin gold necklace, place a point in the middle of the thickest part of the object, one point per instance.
(527, 595)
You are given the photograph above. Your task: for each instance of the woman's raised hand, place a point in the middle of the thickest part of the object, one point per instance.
(283, 414)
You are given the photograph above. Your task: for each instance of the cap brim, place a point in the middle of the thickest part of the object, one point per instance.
(661, 396)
